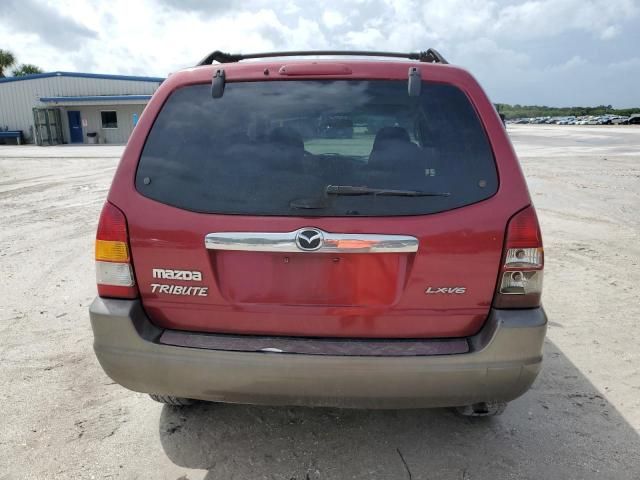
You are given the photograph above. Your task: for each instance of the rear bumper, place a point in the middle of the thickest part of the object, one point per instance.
(503, 361)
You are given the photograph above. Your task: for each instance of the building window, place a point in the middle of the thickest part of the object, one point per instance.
(109, 119)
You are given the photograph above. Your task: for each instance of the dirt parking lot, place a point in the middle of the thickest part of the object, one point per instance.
(63, 418)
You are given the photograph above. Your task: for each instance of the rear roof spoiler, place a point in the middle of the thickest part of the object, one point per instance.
(428, 56)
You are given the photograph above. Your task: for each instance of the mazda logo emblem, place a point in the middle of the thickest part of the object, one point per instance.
(309, 239)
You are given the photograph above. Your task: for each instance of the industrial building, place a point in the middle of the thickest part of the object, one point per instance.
(66, 107)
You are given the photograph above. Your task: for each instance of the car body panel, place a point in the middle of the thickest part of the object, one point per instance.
(377, 295)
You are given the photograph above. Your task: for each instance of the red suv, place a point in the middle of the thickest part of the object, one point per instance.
(339, 232)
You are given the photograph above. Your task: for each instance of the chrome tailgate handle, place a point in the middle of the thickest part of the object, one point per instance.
(311, 239)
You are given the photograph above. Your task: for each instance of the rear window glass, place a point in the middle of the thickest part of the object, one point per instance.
(293, 148)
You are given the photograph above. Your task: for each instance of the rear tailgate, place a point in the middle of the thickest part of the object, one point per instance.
(219, 205)
(321, 294)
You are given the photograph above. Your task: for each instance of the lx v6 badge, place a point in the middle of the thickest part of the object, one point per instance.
(446, 290)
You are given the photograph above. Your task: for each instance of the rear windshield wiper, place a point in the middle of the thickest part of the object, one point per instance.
(351, 190)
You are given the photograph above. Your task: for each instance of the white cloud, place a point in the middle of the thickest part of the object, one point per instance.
(551, 17)
(520, 51)
(610, 32)
(369, 38)
(332, 18)
(573, 62)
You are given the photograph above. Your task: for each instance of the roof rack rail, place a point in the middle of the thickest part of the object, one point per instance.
(429, 56)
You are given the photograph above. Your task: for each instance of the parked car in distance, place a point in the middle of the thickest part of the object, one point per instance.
(609, 119)
(620, 120)
(634, 119)
(242, 258)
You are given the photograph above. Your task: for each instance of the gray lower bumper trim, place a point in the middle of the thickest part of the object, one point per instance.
(316, 346)
(502, 362)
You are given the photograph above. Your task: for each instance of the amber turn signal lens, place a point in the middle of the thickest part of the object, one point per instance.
(111, 251)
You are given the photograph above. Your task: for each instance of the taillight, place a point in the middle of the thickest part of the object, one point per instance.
(520, 282)
(114, 273)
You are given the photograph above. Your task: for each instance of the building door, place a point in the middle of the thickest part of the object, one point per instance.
(48, 126)
(75, 126)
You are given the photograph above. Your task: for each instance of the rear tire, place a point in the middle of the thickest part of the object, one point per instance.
(482, 409)
(173, 401)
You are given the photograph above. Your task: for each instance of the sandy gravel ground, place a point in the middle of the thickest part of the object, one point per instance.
(63, 418)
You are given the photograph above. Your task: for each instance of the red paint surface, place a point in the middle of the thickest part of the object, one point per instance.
(360, 295)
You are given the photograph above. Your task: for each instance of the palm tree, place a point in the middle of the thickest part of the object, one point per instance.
(7, 60)
(26, 69)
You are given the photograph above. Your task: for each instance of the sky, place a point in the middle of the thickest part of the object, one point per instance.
(544, 52)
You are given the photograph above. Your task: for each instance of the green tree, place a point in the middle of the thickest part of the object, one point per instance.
(7, 60)
(26, 69)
